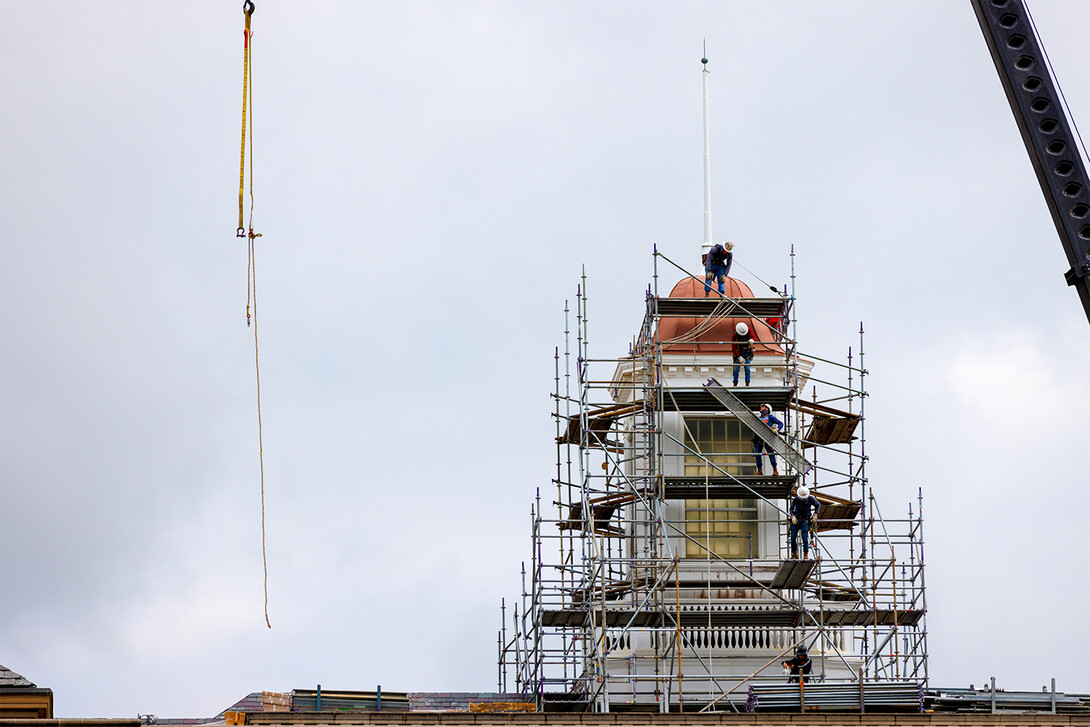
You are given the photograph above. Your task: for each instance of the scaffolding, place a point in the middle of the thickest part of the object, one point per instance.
(660, 576)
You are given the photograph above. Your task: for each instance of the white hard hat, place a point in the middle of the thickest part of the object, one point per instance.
(804, 492)
(766, 406)
(741, 329)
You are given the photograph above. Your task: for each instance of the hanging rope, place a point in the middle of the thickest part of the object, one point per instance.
(251, 263)
(252, 285)
(247, 10)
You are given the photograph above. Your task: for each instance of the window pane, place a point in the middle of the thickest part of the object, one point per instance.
(718, 444)
(731, 524)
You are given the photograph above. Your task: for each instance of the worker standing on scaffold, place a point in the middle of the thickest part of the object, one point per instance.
(759, 446)
(717, 266)
(804, 509)
(741, 344)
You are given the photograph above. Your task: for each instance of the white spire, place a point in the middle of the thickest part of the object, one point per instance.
(707, 165)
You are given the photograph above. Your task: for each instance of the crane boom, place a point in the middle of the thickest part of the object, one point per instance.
(1037, 105)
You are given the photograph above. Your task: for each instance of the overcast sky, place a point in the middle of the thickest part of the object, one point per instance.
(430, 179)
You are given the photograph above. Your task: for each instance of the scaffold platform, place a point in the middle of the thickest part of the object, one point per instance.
(793, 573)
(699, 399)
(756, 616)
(722, 307)
(646, 618)
(836, 513)
(871, 617)
(726, 486)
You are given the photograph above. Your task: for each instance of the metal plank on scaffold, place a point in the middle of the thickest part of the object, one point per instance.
(775, 442)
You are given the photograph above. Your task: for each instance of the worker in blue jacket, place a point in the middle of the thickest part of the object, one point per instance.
(803, 511)
(759, 447)
(717, 266)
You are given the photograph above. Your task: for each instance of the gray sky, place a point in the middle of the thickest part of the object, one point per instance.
(429, 179)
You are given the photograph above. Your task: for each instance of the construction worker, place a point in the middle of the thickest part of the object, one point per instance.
(759, 446)
(741, 344)
(717, 266)
(800, 666)
(803, 511)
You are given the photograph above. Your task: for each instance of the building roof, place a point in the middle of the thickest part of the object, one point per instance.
(21, 698)
(8, 678)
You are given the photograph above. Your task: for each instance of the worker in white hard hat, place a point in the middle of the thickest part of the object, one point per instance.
(759, 446)
(803, 510)
(717, 266)
(742, 349)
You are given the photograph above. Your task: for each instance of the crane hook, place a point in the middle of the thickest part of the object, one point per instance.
(248, 7)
